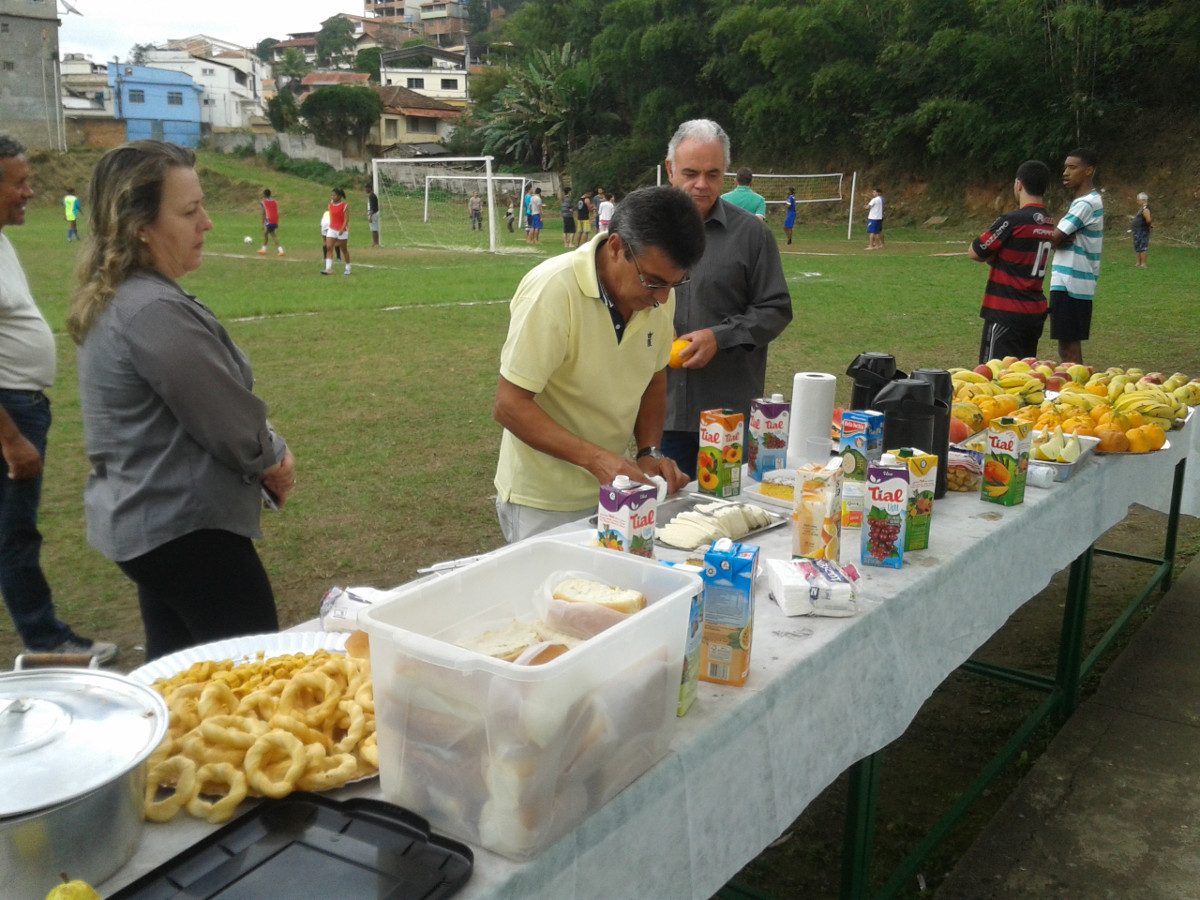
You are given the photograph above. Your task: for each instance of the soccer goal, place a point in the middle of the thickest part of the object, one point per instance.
(426, 203)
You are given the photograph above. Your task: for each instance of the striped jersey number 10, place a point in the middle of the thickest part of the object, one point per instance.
(1040, 260)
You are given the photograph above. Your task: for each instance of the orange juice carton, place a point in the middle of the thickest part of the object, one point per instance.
(885, 513)
(690, 681)
(817, 511)
(922, 478)
(625, 516)
(766, 441)
(861, 441)
(1006, 460)
(719, 465)
(729, 572)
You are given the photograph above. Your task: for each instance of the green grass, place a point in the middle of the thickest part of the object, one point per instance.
(383, 382)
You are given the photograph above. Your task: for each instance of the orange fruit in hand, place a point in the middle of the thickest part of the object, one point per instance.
(676, 361)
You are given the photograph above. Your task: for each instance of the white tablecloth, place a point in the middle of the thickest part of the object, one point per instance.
(822, 694)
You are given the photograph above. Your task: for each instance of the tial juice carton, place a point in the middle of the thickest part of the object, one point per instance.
(766, 441)
(860, 442)
(692, 648)
(885, 513)
(719, 465)
(817, 511)
(729, 572)
(922, 479)
(1006, 460)
(625, 516)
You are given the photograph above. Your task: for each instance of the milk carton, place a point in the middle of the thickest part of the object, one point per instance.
(922, 479)
(719, 465)
(766, 442)
(1006, 461)
(729, 570)
(625, 516)
(817, 511)
(885, 513)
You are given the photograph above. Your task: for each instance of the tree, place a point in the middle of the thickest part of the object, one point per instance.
(283, 112)
(339, 112)
(479, 17)
(335, 43)
(265, 49)
(290, 71)
(137, 53)
(369, 61)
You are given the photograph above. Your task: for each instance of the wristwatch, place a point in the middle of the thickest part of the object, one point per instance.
(651, 451)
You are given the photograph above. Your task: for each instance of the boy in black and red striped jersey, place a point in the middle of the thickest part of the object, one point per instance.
(1017, 247)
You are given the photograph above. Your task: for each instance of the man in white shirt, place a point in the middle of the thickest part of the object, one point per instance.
(875, 220)
(1079, 239)
(27, 367)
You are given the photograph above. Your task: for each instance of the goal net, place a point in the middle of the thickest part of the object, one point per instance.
(427, 204)
(808, 188)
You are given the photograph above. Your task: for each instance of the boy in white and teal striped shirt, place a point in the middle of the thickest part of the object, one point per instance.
(1078, 237)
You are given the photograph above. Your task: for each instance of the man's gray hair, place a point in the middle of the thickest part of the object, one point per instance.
(10, 148)
(1143, 196)
(704, 130)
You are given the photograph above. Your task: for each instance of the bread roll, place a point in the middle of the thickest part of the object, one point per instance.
(507, 644)
(580, 590)
(358, 645)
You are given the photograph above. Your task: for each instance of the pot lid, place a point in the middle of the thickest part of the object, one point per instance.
(66, 732)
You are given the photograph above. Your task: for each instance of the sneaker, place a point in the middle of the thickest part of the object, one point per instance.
(347, 272)
(103, 651)
(324, 271)
(280, 253)
(262, 252)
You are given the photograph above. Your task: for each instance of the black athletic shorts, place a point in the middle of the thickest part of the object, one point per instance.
(1070, 317)
(568, 224)
(1015, 337)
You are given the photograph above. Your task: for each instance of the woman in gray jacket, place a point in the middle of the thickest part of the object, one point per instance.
(181, 450)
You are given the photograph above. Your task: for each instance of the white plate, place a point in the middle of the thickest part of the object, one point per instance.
(240, 649)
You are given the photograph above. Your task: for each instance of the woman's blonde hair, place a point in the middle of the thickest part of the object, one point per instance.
(125, 196)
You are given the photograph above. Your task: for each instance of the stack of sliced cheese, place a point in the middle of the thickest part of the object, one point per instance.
(711, 521)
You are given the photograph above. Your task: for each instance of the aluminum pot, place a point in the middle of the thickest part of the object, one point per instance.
(73, 750)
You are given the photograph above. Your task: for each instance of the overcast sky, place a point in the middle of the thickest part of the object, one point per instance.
(110, 28)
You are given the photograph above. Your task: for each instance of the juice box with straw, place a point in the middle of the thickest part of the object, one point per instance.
(719, 465)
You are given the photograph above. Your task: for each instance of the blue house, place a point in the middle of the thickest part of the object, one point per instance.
(156, 103)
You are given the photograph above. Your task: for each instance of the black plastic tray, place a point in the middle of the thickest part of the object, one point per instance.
(310, 846)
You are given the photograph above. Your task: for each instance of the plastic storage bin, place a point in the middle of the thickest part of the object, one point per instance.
(512, 757)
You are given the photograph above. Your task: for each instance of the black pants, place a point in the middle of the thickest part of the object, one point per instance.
(201, 587)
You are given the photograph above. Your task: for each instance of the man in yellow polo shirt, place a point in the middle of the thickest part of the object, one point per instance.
(583, 370)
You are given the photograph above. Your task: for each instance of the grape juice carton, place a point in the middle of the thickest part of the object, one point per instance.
(625, 516)
(885, 512)
(729, 572)
(922, 479)
(719, 465)
(817, 511)
(860, 442)
(766, 441)
(1006, 460)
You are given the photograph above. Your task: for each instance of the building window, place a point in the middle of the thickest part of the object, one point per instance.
(420, 125)
(3, 28)
(208, 71)
(416, 84)
(449, 84)
(136, 96)
(174, 98)
(391, 130)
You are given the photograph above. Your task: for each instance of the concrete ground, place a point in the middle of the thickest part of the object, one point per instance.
(1112, 809)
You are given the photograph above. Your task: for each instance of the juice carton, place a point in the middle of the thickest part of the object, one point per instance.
(922, 478)
(817, 511)
(1006, 460)
(625, 516)
(729, 570)
(691, 656)
(861, 441)
(766, 442)
(885, 513)
(719, 466)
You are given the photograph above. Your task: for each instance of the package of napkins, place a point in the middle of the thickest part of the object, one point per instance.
(812, 587)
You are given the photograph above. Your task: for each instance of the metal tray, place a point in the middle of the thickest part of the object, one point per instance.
(310, 846)
(674, 505)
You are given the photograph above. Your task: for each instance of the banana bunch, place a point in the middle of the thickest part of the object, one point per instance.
(967, 375)
(1081, 400)
(1155, 405)
(1025, 387)
(1188, 393)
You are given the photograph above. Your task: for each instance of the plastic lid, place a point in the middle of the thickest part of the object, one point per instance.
(888, 459)
(777, 398)
(66, 732)
(621, 482)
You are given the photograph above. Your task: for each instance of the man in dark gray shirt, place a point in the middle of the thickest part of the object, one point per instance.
(736, 303)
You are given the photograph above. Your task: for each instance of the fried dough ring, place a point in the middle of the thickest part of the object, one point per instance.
(221, 810)
(357, 728)
(306, 733)
(217, 699)
(276, 746)
(183, 771)
(300, 688)
(237, 732)
(368, 750)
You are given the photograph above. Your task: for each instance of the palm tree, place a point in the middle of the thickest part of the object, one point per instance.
(290, 70)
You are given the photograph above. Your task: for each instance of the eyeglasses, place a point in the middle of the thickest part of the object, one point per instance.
(654, 286)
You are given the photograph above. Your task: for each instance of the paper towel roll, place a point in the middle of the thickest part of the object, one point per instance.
(812, 413)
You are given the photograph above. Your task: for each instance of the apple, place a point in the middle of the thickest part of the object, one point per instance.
(1056, 382)
(1009, 360)
(1115, 370)
(984, 371)
(1153, 378)
(1031, 361)
(1091, 370)
(1038, 375)
(1079, 373)
(1046, 370)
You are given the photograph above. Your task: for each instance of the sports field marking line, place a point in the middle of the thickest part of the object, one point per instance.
(403, 308)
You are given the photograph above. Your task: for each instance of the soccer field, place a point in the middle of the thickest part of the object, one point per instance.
(383, 382)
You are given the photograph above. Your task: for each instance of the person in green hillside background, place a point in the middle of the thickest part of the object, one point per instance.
(71, 209)
(743, 196)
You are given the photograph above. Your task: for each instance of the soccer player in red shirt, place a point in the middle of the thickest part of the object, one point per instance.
(270, 211)
(338, 234)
